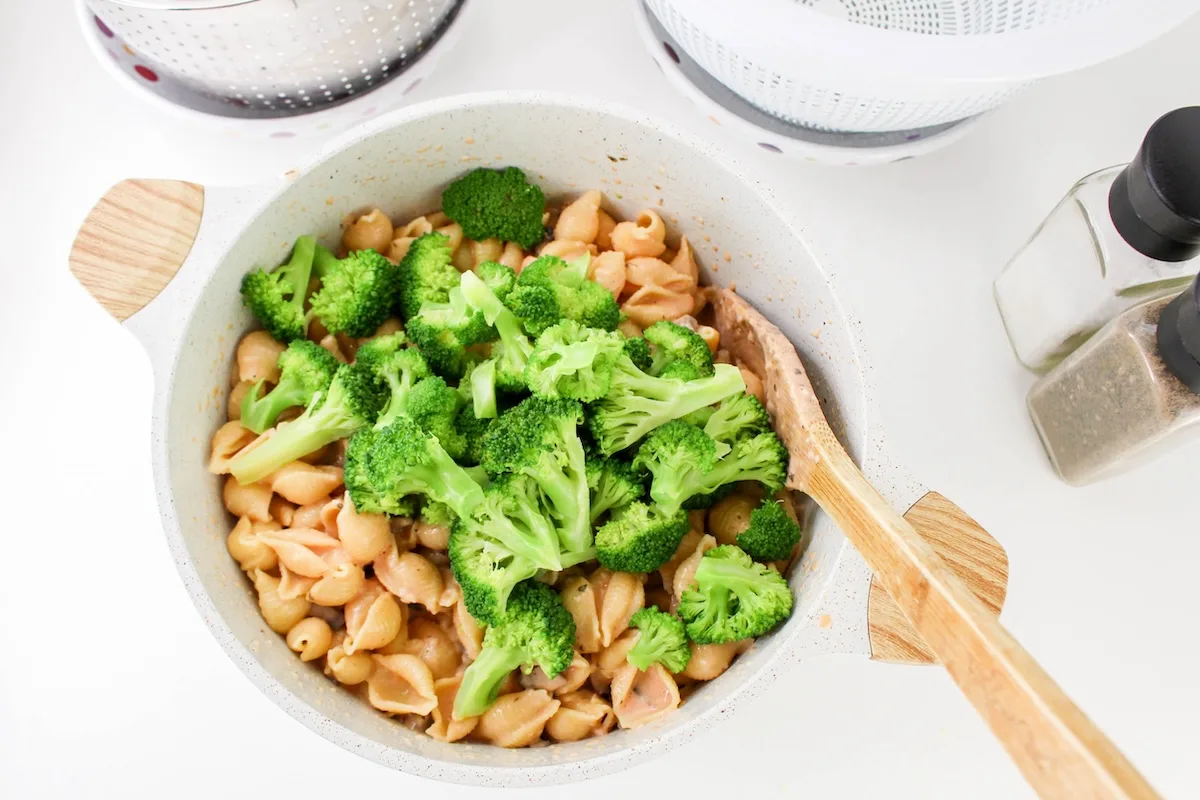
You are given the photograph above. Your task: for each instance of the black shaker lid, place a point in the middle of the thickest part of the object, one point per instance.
(1155, 201)
(1179, 336)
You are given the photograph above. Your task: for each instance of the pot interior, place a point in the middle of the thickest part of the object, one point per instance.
(401, 166)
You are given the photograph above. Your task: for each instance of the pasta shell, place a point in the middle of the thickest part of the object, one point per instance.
(226, 442)
(682, 578)
(579, 597)
(233, 406)
(604, 229)
(512, 255)
(397, 644)
(620, 595)
(687, 546)
(470, 632)
(684, 261)
(445, 728)
(428, 642)
(302, 550)
(253, 501)
(641, 272)
(280, 614)
(250, 551)
(608, 270)
(282, 511)
(412, 578)
(373, 618)
(730, 517)
(311, 638)
(639, 698)
(582, 714)
(345, 668)
(754, 384)
(434, 537)
(709, 660)
(371, 231)
(401, 684)
(302, 483)
(612, 658)
(643, 236)
(570, 679)
(652, 303)
(567, 250)
(517, 720)
(293, 586)
(364, 536)
(328, 515)
(580, 219)
(309, 516)
(258, 357)
(338, 586)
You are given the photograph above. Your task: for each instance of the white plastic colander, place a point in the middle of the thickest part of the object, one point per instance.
(889, 65)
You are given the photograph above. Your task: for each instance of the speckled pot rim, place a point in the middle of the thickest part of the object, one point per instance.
(162, 326)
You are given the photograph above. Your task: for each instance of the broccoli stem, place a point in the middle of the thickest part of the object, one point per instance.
(644, 396)
(483, 390)
(733, 577)
(568, 492)
(458, 490)
(481, 681)
(322, 259)
(260, 413)
(306, 434)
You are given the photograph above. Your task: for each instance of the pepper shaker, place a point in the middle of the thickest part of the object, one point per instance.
(1125, 394)
(1121, 236)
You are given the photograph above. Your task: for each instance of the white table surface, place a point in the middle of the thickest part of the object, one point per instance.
(111, 687)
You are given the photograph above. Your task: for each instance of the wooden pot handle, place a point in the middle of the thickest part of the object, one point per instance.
(1059, 750)
(970, 552)
(134, 240)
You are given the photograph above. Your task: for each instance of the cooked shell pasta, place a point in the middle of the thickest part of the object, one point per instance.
(258, 357)
(730, 517)
(684, 261)
(364, 536)
(651, 304)
(580, 220)
(411, 577)
(302, 483)
(444, 727)
(226, 442)
(646, 271)
(620, 595)
(253, 501)
(570, 679)
(233, 407)
(567, 250)
(579, 596)
(373, 618)
(302, 550)
(434, 537)
(346, 668)
(470, 632)
(401, 684)
(371, 231)
(282, 511)
(581, 714)
(754, 384)
(517, 720)
(608, 270)
(710, 660)
(309, 515)
(247, 549)
(293, 586)
(639, 698)
(341, 584)
(428, 642)
(604, 229)
(645, 236)
(311, 638)
(512, 255)
(682, 578)
(280, 614)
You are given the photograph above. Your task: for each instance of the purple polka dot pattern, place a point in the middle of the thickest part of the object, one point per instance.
(107, 31)
(146, 73)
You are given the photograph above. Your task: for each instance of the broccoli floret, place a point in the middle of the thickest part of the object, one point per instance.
(389, 464)
(536, 630)
(499, 278)
(733, 598)
(539, 438)
(472, 429)
(638, 402)
(400, 368)
(277, 298)
(638, 350)
(678, 351)
(465, 323)
(434, 406)
(353, 402)
(426, 274)
(496, 204)
(511, 353)
(305, 368)
(613, 483)
(640, 538)
(737, 417)
(772, 533)
(357, 292)
(570, 360)
(550, 290)
(686, 463)
(479, 386)
(486, 571)
(513, 513)
(435, 513)
(661, 639)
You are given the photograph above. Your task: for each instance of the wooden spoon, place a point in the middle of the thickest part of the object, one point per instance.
(1060, 751)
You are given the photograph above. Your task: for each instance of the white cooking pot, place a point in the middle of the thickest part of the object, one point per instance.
(167, 258)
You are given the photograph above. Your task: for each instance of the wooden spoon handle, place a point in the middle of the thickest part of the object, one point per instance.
(1060, 751)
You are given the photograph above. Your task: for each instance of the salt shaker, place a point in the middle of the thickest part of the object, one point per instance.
(1126, 393)
(1121, 236)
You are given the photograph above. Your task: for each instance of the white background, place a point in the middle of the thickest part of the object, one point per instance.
(111, 687)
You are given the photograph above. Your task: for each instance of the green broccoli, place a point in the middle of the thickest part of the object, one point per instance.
(686, 463)
(435, 513)
(479, 386)
(539, 438)
(426, 274)
(499, 278)
(277, 298)
(444, 331)
(638, 402)
(383, 467)
(486, 571)
(496, 204)
(640, 538)
(638, 350)
(434, 406)
(550, 290)
(614, 484)
(353, 402)
(511, 353)
(678, 351)
(570, 360)
(733, 598)
(513, 513)
(772, 534)
(400, 368)
(305, 368)
(472, 429)
(661, 639)
(737, 417)
(357, 292)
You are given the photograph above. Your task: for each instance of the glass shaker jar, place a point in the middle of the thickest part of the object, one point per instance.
(1124, 394)
(1121, 236)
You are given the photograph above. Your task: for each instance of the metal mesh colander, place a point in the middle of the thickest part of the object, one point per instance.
(266, 58)
(888, 65)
